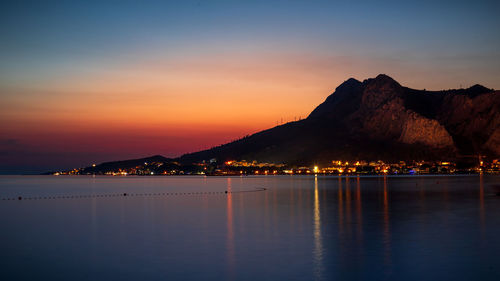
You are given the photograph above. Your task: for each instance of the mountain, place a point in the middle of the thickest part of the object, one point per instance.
(377, 119)
(126, 164)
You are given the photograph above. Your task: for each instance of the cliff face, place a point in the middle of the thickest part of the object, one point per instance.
(382, 114)
(473, 120)
(379, 119)
(418, 129)
(387, 118)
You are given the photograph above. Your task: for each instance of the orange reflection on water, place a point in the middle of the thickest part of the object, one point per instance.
(300, 206)
(359, 214)
(292, 206)
(481, 202)
(341, 207)
(348, 205)
(318, 243)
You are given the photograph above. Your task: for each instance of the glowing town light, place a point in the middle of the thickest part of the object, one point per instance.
(315, 169)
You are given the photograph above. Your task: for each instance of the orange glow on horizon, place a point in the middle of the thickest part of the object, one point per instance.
(165, 106)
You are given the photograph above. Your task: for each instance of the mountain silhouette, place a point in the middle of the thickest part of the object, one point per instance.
(377, 119)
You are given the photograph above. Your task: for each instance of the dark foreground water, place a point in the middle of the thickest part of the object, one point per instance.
(300, 228)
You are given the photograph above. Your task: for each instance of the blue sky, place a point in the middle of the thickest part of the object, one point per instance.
(41, 36)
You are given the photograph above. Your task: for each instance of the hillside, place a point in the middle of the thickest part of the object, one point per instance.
(378, 119)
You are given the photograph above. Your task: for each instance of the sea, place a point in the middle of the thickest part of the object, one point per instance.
(250, 228)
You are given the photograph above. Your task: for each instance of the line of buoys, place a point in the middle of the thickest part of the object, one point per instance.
(131, 194)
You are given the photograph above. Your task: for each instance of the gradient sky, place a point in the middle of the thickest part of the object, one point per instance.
(92, 81)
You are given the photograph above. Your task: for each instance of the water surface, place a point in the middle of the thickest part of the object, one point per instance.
(299, 228)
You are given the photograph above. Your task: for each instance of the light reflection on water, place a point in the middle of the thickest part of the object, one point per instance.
(300, 228)
(318, 244)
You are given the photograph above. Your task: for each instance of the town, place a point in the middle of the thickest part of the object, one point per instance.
(337, 167)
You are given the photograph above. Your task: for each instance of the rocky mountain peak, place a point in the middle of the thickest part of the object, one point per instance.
(346, 94)
(379, 119)
(477, 90)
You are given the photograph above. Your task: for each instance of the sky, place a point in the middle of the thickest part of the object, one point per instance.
(84, 82)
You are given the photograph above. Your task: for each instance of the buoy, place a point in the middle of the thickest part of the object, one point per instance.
(124, 194)
(20, 198)
(225, 191)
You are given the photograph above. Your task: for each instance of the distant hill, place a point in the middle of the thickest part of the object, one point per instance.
(126, 164)
(377, 119)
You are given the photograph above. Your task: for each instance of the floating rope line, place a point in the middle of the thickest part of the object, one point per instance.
(129, 195)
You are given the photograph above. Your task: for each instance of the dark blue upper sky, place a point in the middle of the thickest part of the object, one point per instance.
(49, 34)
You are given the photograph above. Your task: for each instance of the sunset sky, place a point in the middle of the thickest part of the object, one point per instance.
(92, 81)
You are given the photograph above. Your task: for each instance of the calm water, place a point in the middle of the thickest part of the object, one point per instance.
(300, 228)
